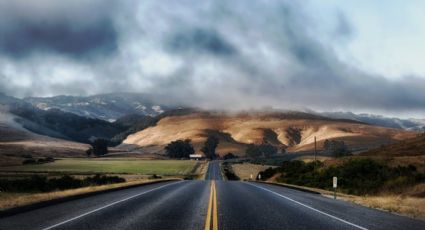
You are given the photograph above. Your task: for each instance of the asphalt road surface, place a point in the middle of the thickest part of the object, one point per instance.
(213, 172)
(209, 204)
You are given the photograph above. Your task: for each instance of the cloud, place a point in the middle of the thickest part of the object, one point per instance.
(200, 40)
(66, 28)
(215, 54)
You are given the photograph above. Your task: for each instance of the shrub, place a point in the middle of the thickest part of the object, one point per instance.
(356, 176)
(266, 174)
(42, 184)
(228, 171)
(29, 161)
(229, 156)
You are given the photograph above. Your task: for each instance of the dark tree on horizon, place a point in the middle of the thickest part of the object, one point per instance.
(210, 146)
(179, 149)
(99, 147)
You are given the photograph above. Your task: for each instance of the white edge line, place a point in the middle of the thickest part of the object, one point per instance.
(304, 205)
(106, 206)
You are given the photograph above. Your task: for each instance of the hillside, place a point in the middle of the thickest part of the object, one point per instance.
(409, 147)
(59, 124)
(293, 131)
(17, 142)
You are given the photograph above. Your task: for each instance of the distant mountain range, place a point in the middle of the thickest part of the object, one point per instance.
(110, 116)
(390, 122)
(107, 107)
(116, 116)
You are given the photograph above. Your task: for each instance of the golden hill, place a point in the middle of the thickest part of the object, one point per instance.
(409, 147)
(291, 131)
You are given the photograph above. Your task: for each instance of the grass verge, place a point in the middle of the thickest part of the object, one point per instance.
(109, 165)
(12, 200)
(404, 205)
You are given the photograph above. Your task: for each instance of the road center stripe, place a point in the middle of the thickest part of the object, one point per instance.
(107, 206)
(309, 207)
(215, 213)
(208, 220)
(212, 209)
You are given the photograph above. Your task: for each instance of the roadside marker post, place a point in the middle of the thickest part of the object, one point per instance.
(335, 184)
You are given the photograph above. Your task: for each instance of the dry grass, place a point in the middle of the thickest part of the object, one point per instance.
(109, 165)
(10, 200)
(408, 205)
(408, 147)
(201, 170)
(245, 170)
(235, 131)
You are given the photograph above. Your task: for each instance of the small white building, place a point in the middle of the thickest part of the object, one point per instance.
(196, 156)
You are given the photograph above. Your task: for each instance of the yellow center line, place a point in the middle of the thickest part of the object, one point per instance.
(208, 220)
(212, 209)
(215, 212)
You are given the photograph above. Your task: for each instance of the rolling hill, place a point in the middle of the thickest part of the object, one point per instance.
(293, 131)
(408, 147)
(17, 142)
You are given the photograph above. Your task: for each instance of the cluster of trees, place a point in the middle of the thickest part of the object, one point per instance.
(184, 148)
(98, 147)
(229, 156)
(209, 147)
(336, 148)
(179, 149)
(263, 150)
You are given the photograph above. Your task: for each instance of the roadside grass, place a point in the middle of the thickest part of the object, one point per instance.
(134, 170)
(110, 165)
(11, 200)
(410, 206)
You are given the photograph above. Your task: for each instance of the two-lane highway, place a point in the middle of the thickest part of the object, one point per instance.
(214, 171)
(209, 204)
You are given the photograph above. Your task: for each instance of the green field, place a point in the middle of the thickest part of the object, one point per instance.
(111, 165)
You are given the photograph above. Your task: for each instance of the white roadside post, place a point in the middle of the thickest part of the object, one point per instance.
(250, 177)
(335, 184)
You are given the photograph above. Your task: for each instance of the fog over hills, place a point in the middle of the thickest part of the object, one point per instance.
(116, 116)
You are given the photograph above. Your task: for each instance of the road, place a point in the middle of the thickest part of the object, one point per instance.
(209, 204)
(213, 172)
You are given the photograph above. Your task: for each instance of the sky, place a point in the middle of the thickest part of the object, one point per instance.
(331, 55)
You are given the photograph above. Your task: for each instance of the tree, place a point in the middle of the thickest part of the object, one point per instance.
(179, 149)
(336, 148)
(267, 150)
(264, 150)
(252, 151)
(89, 152)
(99, 147)
(229, 156)
(209, 147)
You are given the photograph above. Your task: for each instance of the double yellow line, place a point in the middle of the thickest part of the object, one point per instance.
(212, 209)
